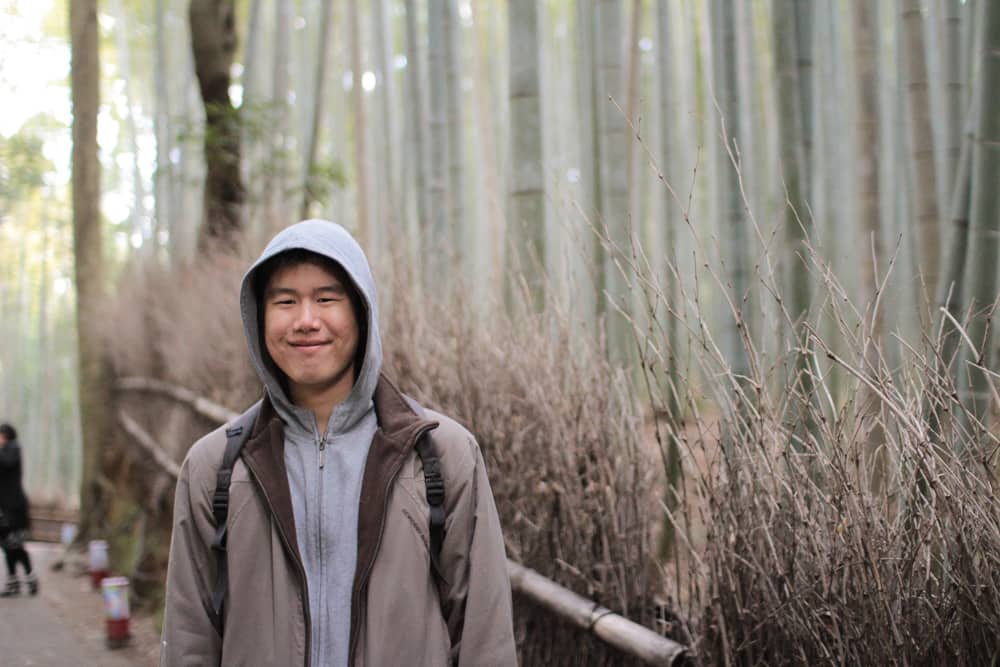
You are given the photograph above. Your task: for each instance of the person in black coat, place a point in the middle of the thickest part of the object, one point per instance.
(14, 520)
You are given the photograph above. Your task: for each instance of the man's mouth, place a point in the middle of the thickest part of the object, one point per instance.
(307, 344)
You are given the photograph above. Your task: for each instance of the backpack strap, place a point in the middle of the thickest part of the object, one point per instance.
(434, 483)
(237, 434)
(434, 486)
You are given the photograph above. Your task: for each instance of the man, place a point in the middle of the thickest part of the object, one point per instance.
(329, 551)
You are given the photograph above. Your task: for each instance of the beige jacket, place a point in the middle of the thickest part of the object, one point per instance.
(398, 614)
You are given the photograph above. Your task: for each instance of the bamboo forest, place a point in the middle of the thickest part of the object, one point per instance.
(711, 283)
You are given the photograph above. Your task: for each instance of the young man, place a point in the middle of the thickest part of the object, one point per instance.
(329, 546)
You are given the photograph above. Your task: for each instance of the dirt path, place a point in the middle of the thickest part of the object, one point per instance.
(64, 624)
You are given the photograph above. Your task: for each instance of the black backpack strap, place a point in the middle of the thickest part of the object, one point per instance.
(237, 433)
(434, 484)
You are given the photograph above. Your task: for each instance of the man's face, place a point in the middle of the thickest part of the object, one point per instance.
(311, 332)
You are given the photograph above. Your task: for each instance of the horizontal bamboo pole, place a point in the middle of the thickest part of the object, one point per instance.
(147, 442)
(625, 635)
(616, 630)
(203, 406)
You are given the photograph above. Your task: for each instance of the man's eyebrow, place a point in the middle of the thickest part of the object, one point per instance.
(336, 286)
(273, 291)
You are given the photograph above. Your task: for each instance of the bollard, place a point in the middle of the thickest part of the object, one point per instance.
(98, 551)
(115, 593)
(67, 532)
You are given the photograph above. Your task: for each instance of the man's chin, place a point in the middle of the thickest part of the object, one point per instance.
(316, 384)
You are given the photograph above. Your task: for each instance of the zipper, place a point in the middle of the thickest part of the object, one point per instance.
(363, 590)
(298, 566)
(319, 529)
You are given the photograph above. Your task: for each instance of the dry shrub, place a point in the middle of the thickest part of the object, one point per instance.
(181, 325)
(561, 438)
(865, 540)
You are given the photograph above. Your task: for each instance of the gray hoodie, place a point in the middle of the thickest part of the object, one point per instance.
(324, 499)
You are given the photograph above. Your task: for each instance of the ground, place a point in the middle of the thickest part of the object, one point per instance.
(64, 624)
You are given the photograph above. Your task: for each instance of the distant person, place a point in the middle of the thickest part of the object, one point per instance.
(14, 521)
(341, 548)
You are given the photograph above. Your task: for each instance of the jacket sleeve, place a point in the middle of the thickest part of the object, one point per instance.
(189, 638)
(478, 597)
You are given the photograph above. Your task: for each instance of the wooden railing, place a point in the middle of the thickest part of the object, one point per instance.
(47, 522)
(616, 630)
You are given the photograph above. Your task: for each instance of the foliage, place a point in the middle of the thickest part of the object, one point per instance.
(22, 169)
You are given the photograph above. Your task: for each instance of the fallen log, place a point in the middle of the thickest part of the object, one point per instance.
(203, 406)
(616, 630)
(147, 442)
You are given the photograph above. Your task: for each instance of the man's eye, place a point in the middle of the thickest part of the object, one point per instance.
(284, 302)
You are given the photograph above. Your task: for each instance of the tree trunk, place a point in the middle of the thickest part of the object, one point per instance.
(950, 297)
(94, 378)
(867, 136)
(527, 188)
(954, 86)
(668, 89)
(795, 150)
(793, 35)
(460, 230)
(213, 43)
(316, 113)
(613, 166)
(984, 223)
(734, 229)
(278, 129)
(592, 290)
(436, 243)
(922, 145)
(250, 113)
(486, 126)
(163, 177)
(631, 103)
(360, 140)
(390, 209)
(132, 134)
(418, 120)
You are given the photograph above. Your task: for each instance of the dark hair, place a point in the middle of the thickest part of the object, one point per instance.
(294, 257)
(8, 431)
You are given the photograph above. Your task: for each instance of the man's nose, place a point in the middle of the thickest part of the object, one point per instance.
(307, 316)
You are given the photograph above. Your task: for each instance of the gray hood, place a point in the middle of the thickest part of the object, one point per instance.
(330, 240)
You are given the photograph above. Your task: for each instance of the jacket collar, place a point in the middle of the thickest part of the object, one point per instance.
(264, 454)
(399, 427)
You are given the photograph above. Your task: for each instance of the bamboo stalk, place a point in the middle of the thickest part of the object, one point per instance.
(616, 630)
(146, 441)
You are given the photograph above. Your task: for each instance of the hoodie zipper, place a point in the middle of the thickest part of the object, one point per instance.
(298, 566)
(352, 649)
(319, 534)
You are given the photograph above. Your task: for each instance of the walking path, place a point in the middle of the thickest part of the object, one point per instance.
(64, 625)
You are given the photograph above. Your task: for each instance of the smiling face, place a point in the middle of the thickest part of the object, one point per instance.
(311, 333)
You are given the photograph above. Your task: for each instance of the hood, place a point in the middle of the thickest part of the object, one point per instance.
(333, 241)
